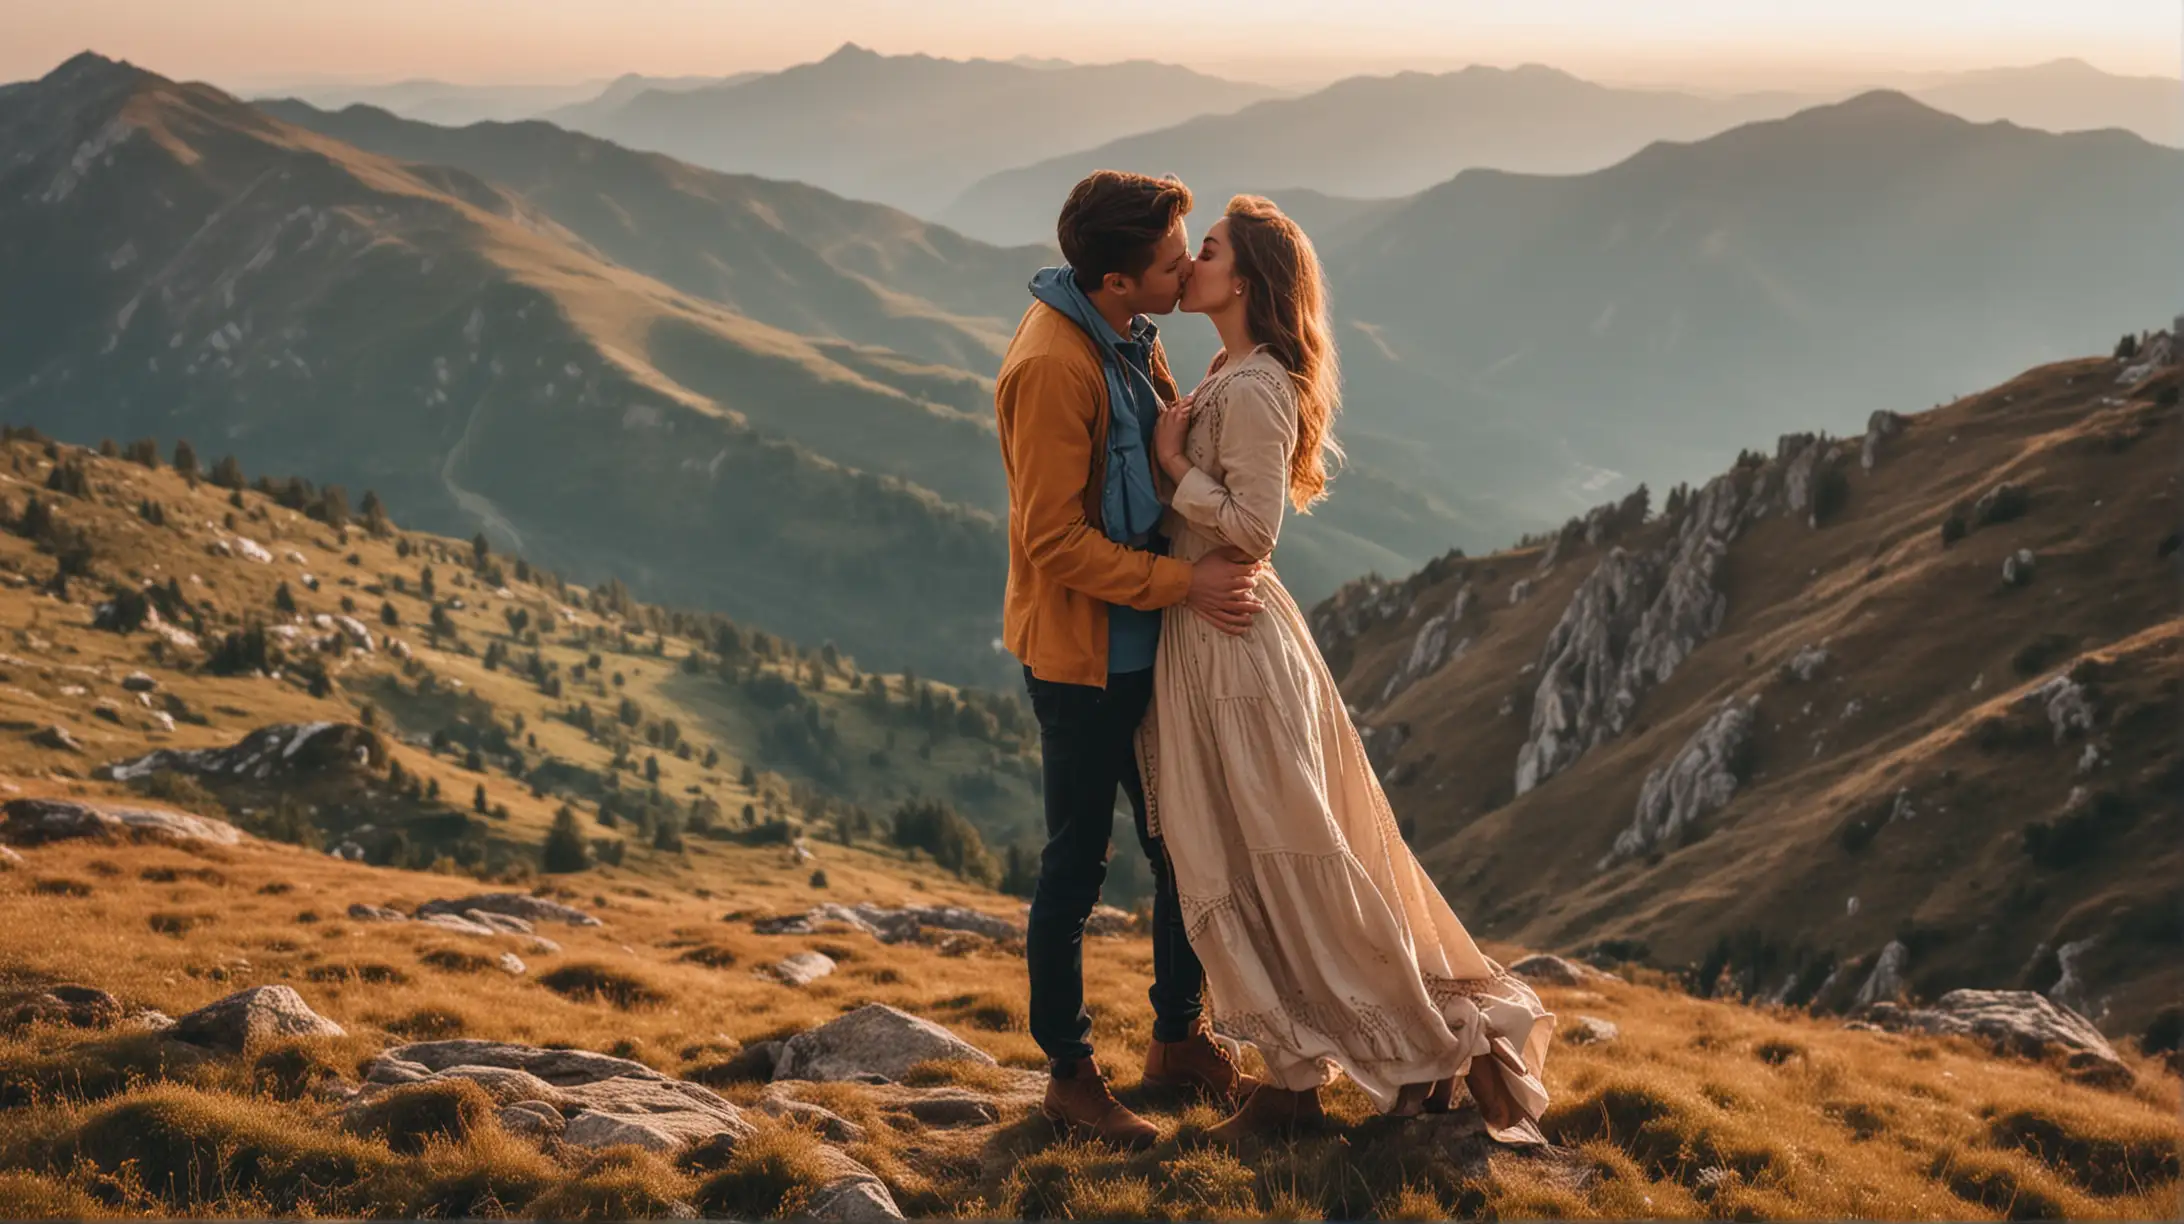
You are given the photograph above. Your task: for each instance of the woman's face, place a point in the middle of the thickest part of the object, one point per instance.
(1214, 286)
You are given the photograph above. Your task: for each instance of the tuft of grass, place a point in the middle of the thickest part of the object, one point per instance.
(176, 924)
(95, 1070)
(409, 1117)
(429, 1024)
(60, 886)
(620, 1184)
(457, 960)
(959, 1073)
(712, 956)
(490, 1174)
(1209, 1184)
(2008, 1183)
(588, 981)
(373, 972)
(28, 1196)
(2099, 1153)
(196, 1151)
(772, 1173)
(292, 1070)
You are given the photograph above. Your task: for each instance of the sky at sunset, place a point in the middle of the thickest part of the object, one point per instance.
(1729, 43)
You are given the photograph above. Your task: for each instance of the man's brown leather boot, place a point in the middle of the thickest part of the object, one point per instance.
(1082, 1102)
(1270, 1111)
(1197, 1062)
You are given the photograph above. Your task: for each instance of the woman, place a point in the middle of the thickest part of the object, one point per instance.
(1324, 942)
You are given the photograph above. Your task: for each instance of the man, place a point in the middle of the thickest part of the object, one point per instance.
(1077, 398)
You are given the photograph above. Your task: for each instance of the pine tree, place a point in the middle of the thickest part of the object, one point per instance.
(283, 598)
(185, 460)
(388, 616)
(477, 801)
(481, 551)
(565, 849)
(228, 473)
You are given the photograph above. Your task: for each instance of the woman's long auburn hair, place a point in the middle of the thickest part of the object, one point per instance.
(1285, 309)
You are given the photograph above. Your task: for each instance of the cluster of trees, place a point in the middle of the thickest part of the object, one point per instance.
(934, 827)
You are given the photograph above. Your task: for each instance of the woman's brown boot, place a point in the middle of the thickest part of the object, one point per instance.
(1270, 1111)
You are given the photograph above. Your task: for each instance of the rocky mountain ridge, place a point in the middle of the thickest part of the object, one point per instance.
(1912, 689)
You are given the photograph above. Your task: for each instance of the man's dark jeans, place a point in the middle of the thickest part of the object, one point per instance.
(1087, 736)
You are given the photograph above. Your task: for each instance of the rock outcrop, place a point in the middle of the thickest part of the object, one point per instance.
(513, 905)
(278, 751)
(803, 968)
(889, 925)
(874, 1040)
(601, 1101)
(1542, 969)
(1880, 427)
(261, 1013)
(2019, 567)
(2014, 1021)
(1433, 647)
(2069, 707)
(31, 822)
(1701, 779)
(1885, 983)
(1591, 1030)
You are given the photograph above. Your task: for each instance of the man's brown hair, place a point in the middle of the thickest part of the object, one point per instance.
(1113, 220)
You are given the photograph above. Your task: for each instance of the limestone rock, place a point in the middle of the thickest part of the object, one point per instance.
(1434, 646)
(1886, 982)
(1591, 1030)
(1807, 662)
(2019, 567)
(511, 964)
(2015, 1021)
(850, 1193)
(376, 913)
(1108, 920)
(30, 822)
(2000, 504)
(873, 1040)
(2070, 990)
(832, 1127)
(1881, 426)
(56, 737)
(605, 1100)
(260, 1013)
(515, 905)
(507, 923)
(10, 859)
(1542, 969)
(455, 924)
(1698, 781)
(2069, 707)
(283, 750)
(534, 1120)
(889, 925)
(803, 968)
(1631, 623)
(138, 682)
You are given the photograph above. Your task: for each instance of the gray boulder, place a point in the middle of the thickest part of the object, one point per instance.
(533, 1120)
(511, 964)
(2019, 567)
(261, 1013)
(1544, 970)
(873, 1040)
(803, 968)
(889, 925)
(270, 753)
(455, 924)
(376, 913)
(56, 737)
(605, 1100)
(515, 905)
(850, 1193)
(1699, 780)
(2014, 1021)
(1591, 1030)
(30, 822)
(10, 859)
(831, 1126)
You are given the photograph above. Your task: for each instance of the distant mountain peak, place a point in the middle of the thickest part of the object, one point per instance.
(87, 67)
(851, 53)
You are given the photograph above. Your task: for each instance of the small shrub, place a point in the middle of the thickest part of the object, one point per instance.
(2104, 1155)
(363, 971)
(616, 1185)
(1954, 527)
(457, 960)
(408, 1117)
(428, 1024)
(60, 886)
(197, 1151)
(712, 956)
(586, 982)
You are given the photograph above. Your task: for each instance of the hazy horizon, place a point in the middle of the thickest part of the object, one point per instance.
(1708, 44)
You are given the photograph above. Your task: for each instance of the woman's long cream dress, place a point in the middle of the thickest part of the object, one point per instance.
(1325, 944)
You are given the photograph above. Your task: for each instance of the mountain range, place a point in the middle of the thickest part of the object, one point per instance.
(910, 130)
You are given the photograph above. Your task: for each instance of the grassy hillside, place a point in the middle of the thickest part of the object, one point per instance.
(1699, 1109)
(1898, 782)
(570, 696)
(317, 308)
(792, 256)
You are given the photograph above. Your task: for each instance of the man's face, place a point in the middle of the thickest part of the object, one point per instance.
(1161, 287)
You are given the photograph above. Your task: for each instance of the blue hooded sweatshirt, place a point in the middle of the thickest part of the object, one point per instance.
(1130, 507)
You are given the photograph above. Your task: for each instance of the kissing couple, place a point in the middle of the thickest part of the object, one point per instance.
(1164, 657)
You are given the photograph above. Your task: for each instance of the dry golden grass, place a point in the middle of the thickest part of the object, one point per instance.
(1701, 1109)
